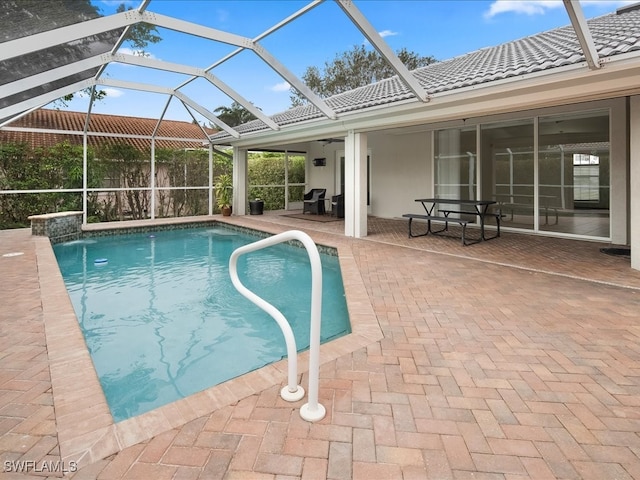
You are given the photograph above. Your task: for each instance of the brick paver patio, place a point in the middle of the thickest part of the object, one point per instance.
(514, 358)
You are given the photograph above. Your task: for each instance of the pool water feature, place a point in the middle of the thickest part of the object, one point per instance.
(162, 320)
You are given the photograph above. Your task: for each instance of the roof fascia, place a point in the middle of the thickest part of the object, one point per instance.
(580, 26)
(196, 72)
(44, 99)
(39, 41)
(383, 49)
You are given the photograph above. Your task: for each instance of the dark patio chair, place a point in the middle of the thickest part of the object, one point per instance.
(314, 201)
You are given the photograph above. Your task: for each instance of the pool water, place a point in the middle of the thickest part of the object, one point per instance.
(162, 319)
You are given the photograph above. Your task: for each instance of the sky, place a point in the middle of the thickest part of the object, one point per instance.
(442, 29)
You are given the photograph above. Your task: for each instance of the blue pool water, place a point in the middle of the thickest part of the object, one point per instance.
(162, 320)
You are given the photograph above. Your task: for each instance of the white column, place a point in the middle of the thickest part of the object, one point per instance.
(210, 191)
(355, 185)
(619, 159)
(85, 175)
(634, 180)
(239, 181)
(152, 179)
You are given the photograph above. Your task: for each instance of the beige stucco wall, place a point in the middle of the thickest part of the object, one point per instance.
(400, 172)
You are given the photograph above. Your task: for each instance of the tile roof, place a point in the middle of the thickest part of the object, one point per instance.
(613, 34)
(74, 121)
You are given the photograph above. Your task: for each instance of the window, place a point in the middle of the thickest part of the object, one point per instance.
(586, 177)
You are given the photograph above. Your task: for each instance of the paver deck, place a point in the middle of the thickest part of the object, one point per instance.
(513, 358)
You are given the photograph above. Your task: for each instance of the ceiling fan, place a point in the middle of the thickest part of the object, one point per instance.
(327, 141)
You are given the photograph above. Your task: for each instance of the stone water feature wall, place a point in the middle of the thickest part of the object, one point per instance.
(59, 227)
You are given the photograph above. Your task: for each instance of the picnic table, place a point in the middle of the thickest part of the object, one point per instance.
(448, 206)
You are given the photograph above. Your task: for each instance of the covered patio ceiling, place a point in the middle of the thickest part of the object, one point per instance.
(42, 61)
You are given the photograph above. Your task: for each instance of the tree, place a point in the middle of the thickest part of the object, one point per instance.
(352, 69)
(28, 17)
(140, 35)
(234, 115)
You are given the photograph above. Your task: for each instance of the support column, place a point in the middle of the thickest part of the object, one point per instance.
(634, 181)
(240, 169)
(355, 185)
(152, 179)
(210, 191)
(85, 176)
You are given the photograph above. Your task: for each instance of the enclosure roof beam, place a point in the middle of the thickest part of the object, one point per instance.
(191, 28)
(281, 70)
(141, 8)
(54, 74)
(197, 72)
(88, 28)
(125, 19)
(579, 23)
(383, 48)
(264, 34)
(145, 87)
(244, 42)
(44, 99)
(206, 113)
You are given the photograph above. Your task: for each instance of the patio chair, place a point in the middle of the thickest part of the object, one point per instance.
(314, 201)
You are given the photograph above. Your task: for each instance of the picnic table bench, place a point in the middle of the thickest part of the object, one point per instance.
(429, 218)
(515, 207)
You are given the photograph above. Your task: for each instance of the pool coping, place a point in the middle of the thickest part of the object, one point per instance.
(86, 430)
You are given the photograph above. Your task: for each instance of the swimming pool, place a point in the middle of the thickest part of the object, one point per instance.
(162, 320)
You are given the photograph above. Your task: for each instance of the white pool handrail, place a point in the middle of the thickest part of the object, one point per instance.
(311, 411)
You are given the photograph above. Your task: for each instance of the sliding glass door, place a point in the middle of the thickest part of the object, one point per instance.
(508, 160)
(559, 183)
(455, 163)
(574, 174)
